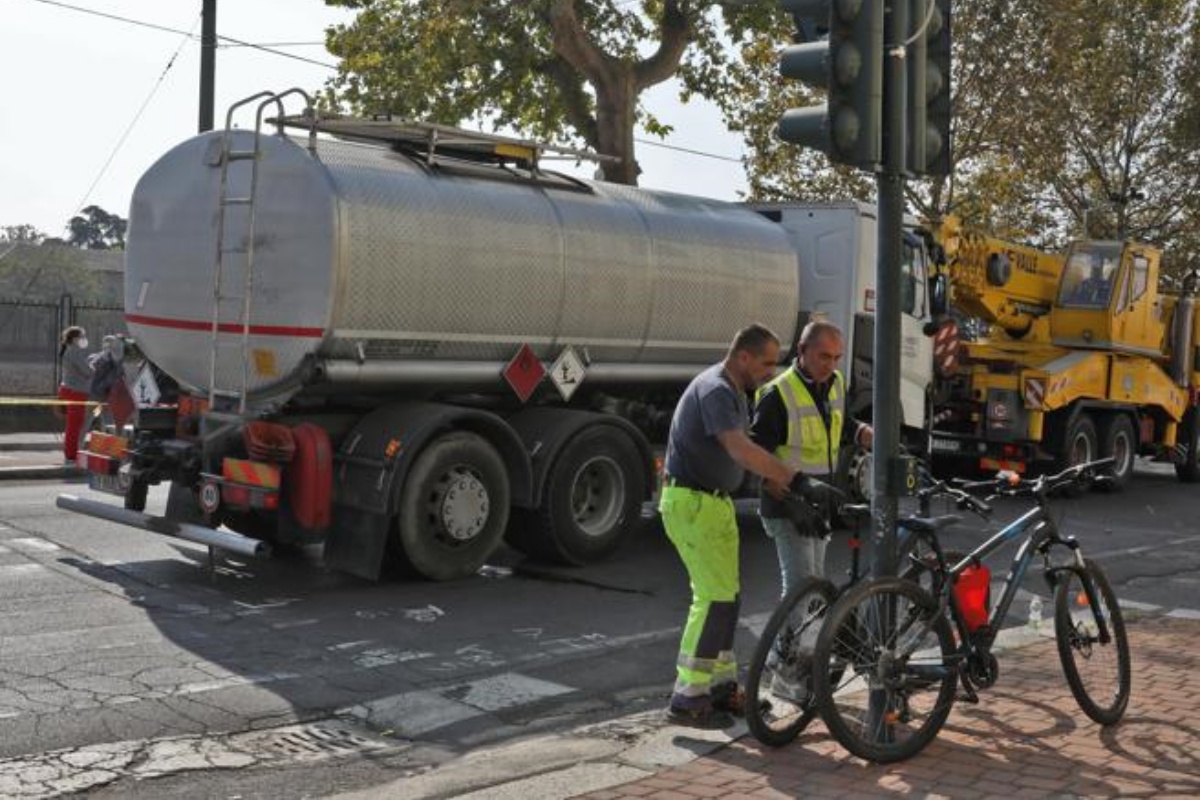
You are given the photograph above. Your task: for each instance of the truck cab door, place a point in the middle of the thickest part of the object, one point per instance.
(916, 348)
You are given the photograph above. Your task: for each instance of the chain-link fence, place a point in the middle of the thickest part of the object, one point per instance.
(29, 334)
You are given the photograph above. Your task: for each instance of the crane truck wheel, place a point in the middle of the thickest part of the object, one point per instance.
(1117, 439)
(1188, 469)
(453, 509)
(591, 502)
(1080, 444)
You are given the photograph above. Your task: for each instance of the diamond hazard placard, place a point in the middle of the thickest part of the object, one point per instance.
(567, 372)
(524, 372)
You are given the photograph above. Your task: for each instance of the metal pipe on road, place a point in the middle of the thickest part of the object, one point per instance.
(226, 540)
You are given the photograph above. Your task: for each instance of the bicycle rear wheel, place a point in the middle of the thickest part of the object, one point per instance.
(1098, 672)
(779, 695)
(884, 670)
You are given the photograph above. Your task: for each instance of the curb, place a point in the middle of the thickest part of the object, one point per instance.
(30, 446)
(50, 472)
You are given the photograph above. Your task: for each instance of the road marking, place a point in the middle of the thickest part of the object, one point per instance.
(505, 691)
(16, 570)
(1184, 613)
(415, 713)
(33, 544)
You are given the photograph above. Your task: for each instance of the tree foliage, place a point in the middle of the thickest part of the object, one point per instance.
(97, 229)
(570, 71)
(1063, 109)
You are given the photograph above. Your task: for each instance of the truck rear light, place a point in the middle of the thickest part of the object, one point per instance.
(98, 463)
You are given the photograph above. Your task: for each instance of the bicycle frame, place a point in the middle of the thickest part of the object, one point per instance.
(1042, 535)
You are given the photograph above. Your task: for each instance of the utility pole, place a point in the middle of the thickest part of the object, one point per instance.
(208, 62)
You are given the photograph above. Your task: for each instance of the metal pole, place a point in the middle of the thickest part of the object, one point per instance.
(885, 397)
(208, 62)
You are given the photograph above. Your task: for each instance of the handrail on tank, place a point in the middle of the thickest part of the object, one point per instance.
(277, 99)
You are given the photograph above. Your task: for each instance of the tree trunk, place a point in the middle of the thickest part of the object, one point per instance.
(615, 123)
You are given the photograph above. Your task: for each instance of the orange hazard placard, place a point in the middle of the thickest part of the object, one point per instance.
(250, 473)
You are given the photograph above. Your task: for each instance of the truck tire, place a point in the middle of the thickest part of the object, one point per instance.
(1080, 444)
(1188, 469)
(453, 508)
(592, 501)
(1118, 440)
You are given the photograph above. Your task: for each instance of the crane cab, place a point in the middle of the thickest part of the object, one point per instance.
(1108, 298)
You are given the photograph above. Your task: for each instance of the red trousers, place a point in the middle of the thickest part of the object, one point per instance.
(75, 417)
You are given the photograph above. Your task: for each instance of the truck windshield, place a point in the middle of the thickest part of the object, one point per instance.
(1088, 277)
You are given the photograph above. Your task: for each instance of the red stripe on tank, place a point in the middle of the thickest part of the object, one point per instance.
(224, 327)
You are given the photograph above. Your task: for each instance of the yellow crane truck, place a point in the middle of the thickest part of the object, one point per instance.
(1081, 356)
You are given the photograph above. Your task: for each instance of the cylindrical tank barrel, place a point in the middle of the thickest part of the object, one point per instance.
(363, 255)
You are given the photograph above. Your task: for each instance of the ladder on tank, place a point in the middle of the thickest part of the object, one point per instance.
(228, 158)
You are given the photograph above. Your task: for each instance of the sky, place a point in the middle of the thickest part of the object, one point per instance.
(89, 103)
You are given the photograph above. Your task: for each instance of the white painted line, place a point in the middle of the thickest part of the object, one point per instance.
(1134, 605)
(1184, 613)
(226, 683)
(16, 570)
(350, 645)
(508, 690)
(33, 544)
(384, 656)
(411, 714)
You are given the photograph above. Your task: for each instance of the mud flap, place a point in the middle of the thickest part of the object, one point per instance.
(357, 541)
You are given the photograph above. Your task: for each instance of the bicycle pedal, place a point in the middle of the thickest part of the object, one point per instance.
(968, 697)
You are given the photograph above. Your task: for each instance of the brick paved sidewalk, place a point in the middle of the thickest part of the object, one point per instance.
(1026, 738)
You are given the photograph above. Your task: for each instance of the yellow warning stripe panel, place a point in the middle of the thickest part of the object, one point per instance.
(250, 473)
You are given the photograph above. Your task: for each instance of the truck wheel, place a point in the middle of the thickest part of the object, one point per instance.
(1188, 469)
(453, 508)
(1120, 443)
(1079, 446)
(591, 502)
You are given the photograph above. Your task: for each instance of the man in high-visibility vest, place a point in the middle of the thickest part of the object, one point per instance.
(800, 417)
(708, 451)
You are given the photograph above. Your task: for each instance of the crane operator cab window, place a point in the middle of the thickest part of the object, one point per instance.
(1088, 278)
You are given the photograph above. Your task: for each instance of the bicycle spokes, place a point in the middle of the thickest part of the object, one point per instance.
(899, 679)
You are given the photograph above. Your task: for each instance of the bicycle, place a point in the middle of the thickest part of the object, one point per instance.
(888, 659)
(780, 699)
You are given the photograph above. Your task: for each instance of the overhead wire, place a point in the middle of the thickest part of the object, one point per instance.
(137, 116)
(270, 48)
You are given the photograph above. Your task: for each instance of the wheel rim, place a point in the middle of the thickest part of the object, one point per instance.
(1097, 666)
(598, 496)
(1122, 453)
(1081, 449)
(460, 504)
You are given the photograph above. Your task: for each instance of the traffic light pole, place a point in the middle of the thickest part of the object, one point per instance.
(885, 393)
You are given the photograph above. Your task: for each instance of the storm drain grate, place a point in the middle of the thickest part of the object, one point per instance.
(307, 742)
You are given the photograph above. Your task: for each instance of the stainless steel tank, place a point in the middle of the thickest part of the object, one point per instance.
(369, 265)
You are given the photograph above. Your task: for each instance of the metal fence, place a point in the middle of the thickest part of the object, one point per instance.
(29, 334)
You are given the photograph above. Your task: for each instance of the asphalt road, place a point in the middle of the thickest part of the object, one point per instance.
(130, 665)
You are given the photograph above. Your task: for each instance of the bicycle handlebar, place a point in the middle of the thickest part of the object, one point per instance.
(961, 498)
(1012, 484)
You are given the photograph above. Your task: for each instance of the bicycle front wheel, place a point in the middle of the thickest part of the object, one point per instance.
(779, 691)
(885, 670)
(1097, 667)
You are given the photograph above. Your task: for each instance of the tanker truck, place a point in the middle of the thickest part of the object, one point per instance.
(410, 343)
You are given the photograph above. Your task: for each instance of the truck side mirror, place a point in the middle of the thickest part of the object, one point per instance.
(939, 303)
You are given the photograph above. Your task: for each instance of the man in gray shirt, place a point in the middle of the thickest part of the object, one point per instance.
(708, 451)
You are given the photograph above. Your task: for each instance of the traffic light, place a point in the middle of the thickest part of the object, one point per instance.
(928, 113)
(849, 67)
